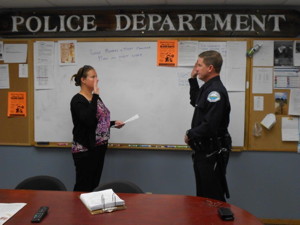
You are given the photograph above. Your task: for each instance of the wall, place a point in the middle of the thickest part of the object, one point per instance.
(266, 184)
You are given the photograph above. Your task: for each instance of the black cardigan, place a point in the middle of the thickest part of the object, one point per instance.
(84, 120)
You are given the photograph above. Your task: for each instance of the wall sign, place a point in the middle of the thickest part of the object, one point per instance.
(149, 23)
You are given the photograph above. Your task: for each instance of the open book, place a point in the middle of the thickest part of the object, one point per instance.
(102, 201)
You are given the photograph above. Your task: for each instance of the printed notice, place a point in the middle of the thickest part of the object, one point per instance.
(167, 52)
(262, 80)
(265, 55)
(44, 64)
(290, 129)
(187, 53)
(67, 52)
(16, 104)
(4, 76)
(258, 103)
(294, 106)
(23, 70)
(15, 53)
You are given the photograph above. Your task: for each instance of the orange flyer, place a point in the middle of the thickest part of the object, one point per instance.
(17, 104)
(167, 52)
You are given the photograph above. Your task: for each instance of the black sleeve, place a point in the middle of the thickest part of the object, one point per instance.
(85, 111)
(194, 90)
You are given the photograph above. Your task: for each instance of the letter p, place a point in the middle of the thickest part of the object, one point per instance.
(16, 20)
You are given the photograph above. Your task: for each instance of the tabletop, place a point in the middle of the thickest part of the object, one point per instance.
(66, 208)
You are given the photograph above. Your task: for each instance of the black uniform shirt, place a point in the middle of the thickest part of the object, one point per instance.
(212, 109)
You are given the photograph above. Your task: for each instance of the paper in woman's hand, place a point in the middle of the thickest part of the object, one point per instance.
(135, 117)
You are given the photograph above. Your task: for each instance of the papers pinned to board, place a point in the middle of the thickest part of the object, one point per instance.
(290, 128)
(102, 201)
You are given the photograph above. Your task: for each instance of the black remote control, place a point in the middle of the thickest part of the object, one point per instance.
(40, 214)
(226, 214)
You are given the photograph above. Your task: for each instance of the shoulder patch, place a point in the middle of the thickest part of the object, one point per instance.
(214, 96)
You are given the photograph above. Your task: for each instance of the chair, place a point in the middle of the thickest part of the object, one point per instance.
(120, 186)
(42, 183)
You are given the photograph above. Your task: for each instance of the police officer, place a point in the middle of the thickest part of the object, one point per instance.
(209, 137)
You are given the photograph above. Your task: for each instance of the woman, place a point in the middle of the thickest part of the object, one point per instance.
(91, 130)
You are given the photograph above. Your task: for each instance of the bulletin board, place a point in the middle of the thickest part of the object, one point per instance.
(131, 83)
(269, 139)
(155, 83)
(17, 130)
(31, 130)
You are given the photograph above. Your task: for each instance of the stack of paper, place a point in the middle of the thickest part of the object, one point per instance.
(102, 201)
(7, 210)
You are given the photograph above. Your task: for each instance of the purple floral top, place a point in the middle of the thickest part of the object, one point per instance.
(102, 130)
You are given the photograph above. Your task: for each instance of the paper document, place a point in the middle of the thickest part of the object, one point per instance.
(4, 76)
(258, 103)
(187, 53)
(265, 56)
(44, 54)
(135, 117)
(15, 53)
(262, 80)
(290, 129)
(235, 69)
(7, 210)
(294, 106)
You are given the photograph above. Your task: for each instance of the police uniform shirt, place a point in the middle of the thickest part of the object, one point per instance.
(212, 109)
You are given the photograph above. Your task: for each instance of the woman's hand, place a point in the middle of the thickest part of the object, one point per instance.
(96, 88)
(119, 124)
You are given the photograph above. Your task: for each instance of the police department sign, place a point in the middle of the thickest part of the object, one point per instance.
(149, 23)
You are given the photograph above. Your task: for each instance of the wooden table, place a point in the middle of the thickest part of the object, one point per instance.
(66, 208)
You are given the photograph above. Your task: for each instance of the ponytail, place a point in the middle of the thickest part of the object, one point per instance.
(82, 72)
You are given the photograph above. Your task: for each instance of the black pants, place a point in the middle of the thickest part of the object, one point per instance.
(210, 180)
(89, 166)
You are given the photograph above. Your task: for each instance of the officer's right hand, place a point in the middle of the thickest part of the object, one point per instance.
(194, 71)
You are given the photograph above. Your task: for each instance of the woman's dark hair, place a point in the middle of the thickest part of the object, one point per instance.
(82, 72)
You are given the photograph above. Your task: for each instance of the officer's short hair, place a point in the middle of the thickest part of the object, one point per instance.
(212, 58)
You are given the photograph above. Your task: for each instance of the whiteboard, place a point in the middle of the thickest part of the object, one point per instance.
(130, 83)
